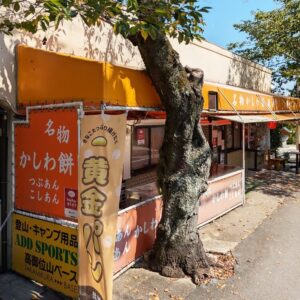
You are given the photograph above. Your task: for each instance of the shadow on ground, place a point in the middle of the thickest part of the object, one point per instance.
(275, 183)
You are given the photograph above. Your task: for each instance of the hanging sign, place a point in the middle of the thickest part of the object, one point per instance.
(45, 252)
(215, 142)
(214, 138)
(100, 176)
(46, 163)
(140, 136)
(272, 125)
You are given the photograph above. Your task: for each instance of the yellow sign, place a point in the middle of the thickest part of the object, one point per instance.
(231, 99)
(100, 174)
(46, 252)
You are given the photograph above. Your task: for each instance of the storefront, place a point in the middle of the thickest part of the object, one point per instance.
(46, 193)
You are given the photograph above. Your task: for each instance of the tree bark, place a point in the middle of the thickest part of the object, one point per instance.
(184, 162)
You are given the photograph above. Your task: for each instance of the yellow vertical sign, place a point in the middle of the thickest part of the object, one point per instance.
(100, 174)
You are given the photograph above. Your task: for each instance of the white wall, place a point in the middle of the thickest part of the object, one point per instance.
(222, 66)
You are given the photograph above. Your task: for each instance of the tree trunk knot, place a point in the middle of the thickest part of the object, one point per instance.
(195, 77)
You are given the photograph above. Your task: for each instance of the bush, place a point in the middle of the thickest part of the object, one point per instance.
(276, 137)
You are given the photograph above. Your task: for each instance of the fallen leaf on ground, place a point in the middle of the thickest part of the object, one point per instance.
(153, 296)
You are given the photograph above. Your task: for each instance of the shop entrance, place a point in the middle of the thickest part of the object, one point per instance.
(3, 188)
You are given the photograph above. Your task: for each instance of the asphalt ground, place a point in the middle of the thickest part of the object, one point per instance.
(268, 261)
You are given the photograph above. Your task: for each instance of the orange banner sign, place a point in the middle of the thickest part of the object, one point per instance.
(221, 196)
(46, 163)
(100, 175)
(136, 232)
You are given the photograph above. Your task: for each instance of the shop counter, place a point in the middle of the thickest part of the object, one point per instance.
(137, 223)
(225, 192)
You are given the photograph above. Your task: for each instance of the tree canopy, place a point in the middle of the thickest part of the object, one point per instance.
(274, 40)
(181, 19)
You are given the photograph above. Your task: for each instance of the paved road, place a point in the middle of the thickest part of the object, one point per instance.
(268, 262)
(268, 259)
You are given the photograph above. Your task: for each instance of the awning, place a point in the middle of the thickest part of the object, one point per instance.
(259, 118)
(49, 77)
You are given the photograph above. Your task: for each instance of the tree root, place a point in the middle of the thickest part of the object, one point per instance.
(221, 266)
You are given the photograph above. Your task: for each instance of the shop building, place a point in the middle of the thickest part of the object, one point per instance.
(237, 109)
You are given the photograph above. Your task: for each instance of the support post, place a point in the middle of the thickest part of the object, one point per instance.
(244, 163)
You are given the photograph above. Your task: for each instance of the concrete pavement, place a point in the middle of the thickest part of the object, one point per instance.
(16, 287)
(263, 235)
(275, 191)
(268, 262)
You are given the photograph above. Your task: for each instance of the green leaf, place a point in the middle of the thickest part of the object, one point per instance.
(57, 21)
(56, 2)
(16, 6)
(6, 2)
(31, 9)
(180, 37)
(133, 30)
(43, 25)
(132, 4)
(160, 11)
(144, 34)
(153, 32)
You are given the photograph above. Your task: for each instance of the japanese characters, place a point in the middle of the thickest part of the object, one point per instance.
(46, 252)
(100, 173)
(46, 163)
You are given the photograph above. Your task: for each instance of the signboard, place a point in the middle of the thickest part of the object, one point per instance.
(231, 99)
(136, 232)
(100, 176)
(215, 142)
(46, 163)
(214, 138)
(221, 195)
(140, 136)
(46, 252)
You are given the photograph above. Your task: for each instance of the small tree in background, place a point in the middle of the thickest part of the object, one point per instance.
(276, 137)
(274, 40)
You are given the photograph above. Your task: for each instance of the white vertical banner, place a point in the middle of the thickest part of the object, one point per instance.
(100, 174)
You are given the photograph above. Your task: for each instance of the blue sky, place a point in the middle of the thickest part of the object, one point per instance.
(224, 13)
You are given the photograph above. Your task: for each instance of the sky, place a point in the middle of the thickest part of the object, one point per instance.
(224, 13)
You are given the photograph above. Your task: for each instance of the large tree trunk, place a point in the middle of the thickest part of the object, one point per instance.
(184, 162)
